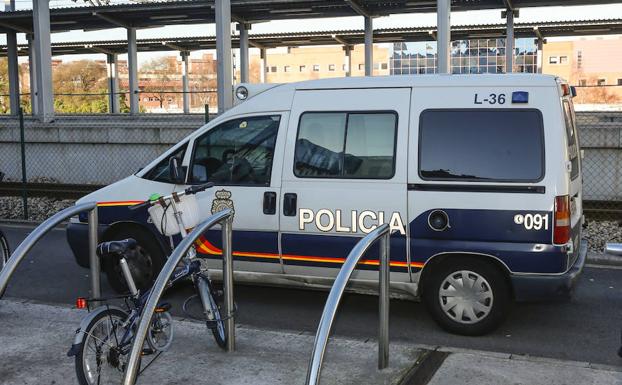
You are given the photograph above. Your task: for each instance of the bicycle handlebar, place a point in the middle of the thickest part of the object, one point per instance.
(189, 191)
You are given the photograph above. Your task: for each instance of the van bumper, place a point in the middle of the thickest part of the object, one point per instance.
(542, 287)
(78, 239)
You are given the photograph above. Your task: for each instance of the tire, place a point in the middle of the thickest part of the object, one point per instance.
(111, 366)
(470, 311)
(217, 324)
(145, 262)
(5, 252)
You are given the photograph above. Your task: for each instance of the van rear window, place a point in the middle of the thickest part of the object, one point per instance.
(481, 145)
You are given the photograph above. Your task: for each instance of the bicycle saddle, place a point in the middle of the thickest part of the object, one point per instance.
(115, 247)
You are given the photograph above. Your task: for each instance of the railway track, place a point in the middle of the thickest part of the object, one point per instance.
(52, 190)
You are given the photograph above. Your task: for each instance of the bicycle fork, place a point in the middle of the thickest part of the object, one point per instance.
(204, 293)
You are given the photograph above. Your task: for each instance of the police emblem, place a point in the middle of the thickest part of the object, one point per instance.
(222, 201)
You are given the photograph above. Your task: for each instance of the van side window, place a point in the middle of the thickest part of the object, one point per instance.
(346, 145)
(160, 173)
(573, 142)
(481, 145)
(237, 152)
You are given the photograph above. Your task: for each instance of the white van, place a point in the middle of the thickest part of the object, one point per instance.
(479, 178)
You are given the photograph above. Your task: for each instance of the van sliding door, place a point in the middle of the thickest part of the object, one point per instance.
(344, 173)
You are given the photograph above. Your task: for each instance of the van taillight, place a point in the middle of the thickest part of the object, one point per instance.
(561, 229)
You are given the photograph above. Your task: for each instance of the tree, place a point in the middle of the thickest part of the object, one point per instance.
(80, 87)
(4, 85)
(161, 73)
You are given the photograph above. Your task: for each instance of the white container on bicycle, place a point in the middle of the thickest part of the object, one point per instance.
(163, 217)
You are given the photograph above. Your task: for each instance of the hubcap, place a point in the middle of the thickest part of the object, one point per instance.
(466, 297)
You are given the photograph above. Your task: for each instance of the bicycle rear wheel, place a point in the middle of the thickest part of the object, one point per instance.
(100, 359)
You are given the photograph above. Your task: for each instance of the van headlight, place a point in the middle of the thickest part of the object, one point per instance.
(241, 93)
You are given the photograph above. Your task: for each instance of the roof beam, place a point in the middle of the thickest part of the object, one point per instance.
(339, 40)
(357, 8)
(14, 27)
(175, 47)
(509, 4)
(100, 50)
(538, 33)
(112, 20)
(257, 45)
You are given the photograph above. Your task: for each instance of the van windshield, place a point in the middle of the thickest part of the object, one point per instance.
(481, 145)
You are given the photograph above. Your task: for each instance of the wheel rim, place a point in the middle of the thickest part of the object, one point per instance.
(102, 360)
(466, 297)
(160, 335)
(4, 251)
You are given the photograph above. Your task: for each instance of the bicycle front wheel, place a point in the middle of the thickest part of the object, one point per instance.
(5, 253)
(100, 359)
(211, 308)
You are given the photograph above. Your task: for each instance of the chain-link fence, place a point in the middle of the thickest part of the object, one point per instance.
(76, 154)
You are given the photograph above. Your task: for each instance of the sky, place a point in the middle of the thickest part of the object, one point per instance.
(407, 20)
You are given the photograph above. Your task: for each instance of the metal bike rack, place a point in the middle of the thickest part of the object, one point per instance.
(613, 248)
(332, 303)
(45, 227)
(224, 218)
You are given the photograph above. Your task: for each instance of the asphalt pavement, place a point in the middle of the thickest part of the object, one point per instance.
(586, 328)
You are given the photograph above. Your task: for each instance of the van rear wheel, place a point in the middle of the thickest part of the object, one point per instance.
(145, 261)
(467, 296)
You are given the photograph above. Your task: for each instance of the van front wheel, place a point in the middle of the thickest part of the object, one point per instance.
(467, 296)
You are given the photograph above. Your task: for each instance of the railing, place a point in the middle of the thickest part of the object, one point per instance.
(332, 303)
(224, 218)
(21, 251)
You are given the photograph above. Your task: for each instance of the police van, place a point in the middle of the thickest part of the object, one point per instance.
(479, 178)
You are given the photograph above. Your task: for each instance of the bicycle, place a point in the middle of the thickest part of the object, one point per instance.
(5, 252)
(104, 340)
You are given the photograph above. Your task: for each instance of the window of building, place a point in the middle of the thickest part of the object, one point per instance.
(331, 67)
(553, 59)
(486, 145)
(601, 82)
(316, 67)
(620, 82)
(563, 60)
(273, 69)
(236, 152)
(343, 67)
(302, 68)
(346, 145)
(582, 82)
(361, 67)
(384, 66)
(287, 69)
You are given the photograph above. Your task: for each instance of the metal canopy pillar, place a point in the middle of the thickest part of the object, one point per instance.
(224, 75)
(43, 60)
(244, 63)
(11, 42)
(184, 81)
(132, 70)
(113, 83)
(32, 74)
(263, 68)
(509, 15)
(348, 59)
(540, 41)
(443, 35)
(369, 46)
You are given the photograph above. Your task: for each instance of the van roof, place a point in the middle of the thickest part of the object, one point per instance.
(435, 80)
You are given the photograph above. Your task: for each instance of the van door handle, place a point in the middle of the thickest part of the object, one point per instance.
(290, 201)
(269, 203)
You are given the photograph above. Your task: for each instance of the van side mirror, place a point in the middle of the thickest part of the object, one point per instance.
(176, 171)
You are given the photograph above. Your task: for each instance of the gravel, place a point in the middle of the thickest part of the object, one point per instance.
(39, 208)
(597, 233)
